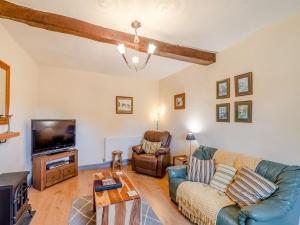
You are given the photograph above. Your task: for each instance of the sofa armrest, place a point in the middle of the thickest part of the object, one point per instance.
(270, 209)
(177, 171)
(162, 151)
(138, 149)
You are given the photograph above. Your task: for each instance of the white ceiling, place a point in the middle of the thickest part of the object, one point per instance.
(209, 25)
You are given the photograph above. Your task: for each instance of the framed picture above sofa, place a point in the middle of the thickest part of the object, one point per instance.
(124, 105)
(223, 112)
(223, 89)
(243, 84)
(243, 111)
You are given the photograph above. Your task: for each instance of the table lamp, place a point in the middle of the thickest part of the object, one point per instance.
(190, 137)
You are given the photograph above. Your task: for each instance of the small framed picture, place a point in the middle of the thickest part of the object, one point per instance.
(243, 111)
(223, 89)
(179, 101)
(124, 105)
(243, 84)
(223, 112)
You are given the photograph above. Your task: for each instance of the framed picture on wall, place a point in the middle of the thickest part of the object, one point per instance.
(179, 101)
(124, 105)
(223, 89)
(243, 111)
(223, 112)
(243, 84)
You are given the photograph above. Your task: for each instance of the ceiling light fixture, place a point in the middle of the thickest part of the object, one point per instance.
(135, 61)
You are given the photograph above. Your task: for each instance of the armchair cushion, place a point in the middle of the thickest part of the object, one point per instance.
(138, 149)
(150, 147)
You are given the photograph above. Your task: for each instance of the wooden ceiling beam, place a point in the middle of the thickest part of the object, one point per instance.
(71, 26)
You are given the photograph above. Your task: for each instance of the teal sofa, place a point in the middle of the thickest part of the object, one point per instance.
(282, 208)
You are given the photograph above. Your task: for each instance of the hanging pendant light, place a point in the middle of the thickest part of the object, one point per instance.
(135, 60)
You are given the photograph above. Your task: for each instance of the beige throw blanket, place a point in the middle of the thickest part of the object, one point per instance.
(201, 203)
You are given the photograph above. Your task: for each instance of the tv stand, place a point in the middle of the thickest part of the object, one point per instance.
(45, 176)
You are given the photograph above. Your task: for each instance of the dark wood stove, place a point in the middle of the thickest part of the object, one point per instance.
(14, 205)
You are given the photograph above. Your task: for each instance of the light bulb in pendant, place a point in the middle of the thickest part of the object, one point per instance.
(135, 60)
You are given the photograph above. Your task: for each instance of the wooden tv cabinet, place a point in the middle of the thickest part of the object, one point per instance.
(44, 178)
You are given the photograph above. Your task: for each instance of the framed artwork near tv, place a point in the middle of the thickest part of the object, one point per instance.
(124, 105)
(243, 84)
(243, 111)
(223, 112)
(223, 88)
(179, 101)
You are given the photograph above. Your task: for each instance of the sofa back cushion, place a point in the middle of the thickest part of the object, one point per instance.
(158, 136)
(249, 188)
(201, 170)
(150, 147)
(223, 177)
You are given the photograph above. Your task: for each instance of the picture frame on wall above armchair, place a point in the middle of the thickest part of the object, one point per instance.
(124, 105)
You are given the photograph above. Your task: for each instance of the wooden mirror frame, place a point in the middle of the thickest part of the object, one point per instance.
(4, 120)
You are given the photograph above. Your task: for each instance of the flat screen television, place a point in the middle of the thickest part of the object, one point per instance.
(50, 136)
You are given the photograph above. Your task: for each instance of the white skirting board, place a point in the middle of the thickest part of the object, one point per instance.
(120, 143)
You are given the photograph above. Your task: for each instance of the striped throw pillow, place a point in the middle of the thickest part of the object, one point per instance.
(223, 177)
(249, 188)
(201, 170)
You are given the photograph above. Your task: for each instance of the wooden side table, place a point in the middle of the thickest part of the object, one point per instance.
(181, 158)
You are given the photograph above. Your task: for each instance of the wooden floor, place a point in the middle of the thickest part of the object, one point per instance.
(53, 204)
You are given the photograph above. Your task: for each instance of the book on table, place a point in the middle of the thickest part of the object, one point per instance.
(107, 184)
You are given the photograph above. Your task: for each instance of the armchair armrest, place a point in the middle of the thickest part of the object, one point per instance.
(177, 171)
(270, 209)
(162, 151)
(138, 149)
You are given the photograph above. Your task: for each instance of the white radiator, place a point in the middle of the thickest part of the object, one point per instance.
(120, 143)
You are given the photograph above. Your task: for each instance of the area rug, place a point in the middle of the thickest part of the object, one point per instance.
(82, 213)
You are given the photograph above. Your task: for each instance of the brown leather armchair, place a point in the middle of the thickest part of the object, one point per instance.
(152, 164)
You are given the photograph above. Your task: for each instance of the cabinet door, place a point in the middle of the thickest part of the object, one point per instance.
(69, 172)
(54, 177)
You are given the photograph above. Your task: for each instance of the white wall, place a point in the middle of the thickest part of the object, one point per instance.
(90, 99)
(15, 154)
(273, 56)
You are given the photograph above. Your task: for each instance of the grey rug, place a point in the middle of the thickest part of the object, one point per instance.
(82, 213)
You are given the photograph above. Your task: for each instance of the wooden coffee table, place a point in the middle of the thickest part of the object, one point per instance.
(116, 206)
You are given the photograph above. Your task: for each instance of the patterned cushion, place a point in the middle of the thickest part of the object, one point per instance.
(150, 147)
(201, 170)
(223, 177)
(249, 188)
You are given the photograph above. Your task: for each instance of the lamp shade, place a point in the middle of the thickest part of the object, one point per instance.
(190, 137)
